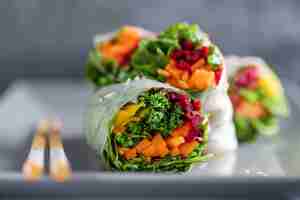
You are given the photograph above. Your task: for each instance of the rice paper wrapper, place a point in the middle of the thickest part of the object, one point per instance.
(235, 63)
(222, 135)
(106, 102)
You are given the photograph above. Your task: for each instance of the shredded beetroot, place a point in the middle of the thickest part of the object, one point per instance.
(193, 134)
(197, 104)
(173, 96)
(182, 64)
(188, 55)
(204, 51)
(184, 103)
(187, 45)
(191, 112)
(218, 75)
(248, 76)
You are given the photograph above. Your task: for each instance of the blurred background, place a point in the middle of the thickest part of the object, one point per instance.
(50, 39)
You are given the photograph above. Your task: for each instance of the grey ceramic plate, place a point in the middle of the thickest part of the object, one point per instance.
(269, 166)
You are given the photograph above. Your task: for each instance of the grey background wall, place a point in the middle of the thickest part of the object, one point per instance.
(51, 38)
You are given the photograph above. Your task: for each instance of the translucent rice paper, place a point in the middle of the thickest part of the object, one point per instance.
(106, 102)
(222, 135)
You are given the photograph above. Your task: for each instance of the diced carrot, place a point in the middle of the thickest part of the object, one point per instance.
(172, 81)
(164, 73)
(126, 41)
(160, 145)
(173, 70)
(185, 76)
(201, 79)
(122, 150)
(142, 145)
(250, 110)
(149, 151)
(183, 84)
(174, 141)
(183, 130)
(187, 148)
(130, 154)
(175, 151)
(198, 65)
(162, 150)
(158, 140)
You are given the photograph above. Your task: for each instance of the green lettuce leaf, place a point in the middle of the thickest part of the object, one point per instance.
(152, 55)
(184, 31)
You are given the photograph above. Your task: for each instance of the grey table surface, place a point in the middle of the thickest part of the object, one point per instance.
(268, 168)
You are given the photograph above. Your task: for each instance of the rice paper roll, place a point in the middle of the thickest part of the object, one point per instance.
(145, 125)
(109, 60)
(257, 96)
(184, 57)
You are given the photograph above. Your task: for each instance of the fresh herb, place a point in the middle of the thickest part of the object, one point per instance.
(125, 140)
(156, 100)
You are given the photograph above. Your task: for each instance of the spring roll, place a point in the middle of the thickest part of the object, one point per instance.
(257, 96)
(145, 125)
(109, 60)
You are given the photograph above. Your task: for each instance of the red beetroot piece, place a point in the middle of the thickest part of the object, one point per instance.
(246, 77)
(193, 135)
(184, 103)
(218, 75)
(187, 45)
(196, 104)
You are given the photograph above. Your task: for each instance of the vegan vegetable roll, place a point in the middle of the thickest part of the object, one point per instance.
(257, 97)
(144, 125)
(109, 61)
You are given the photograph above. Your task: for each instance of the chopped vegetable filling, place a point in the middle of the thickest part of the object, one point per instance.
(180, 56)
(160, 127)
(253, 97)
